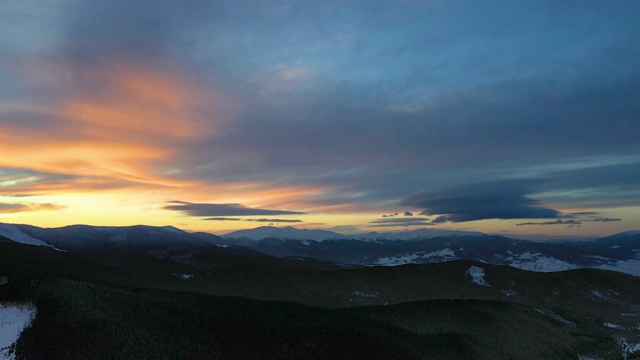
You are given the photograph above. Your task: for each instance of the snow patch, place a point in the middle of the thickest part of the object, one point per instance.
(14, 233)
(555, 316)
(538, 262)
(365, 294)
(598, 257)
(631, 267)
(628, 348)
(443, 255)
(509, 292)
(612, 326)
(184, 276)
(366, 298)
(398, 260)
(477, 275)
(616, 247)
(13, 320)
(600, 295)
(223, 246)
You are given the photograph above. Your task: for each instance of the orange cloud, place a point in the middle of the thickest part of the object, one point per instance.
(13, 208)
(141, 103)
(124, 121)
(120, 129)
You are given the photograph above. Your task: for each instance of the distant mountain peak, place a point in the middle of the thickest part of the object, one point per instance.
(173, 229)
(287, 232)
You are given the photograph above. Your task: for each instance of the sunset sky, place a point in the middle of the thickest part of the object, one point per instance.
(511, 117)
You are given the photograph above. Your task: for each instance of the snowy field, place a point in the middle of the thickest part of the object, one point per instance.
(13, 319)
(477, 275)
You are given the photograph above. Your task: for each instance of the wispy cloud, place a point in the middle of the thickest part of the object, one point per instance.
(557, 222)
(403, 222)
(603, 220)
(13, 208)
(276, 220)
(120, 120)
(217, 210)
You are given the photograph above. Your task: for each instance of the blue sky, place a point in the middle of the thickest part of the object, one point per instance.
(496, 116)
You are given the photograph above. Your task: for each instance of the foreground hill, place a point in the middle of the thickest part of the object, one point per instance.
(82, 320)
(111, 295)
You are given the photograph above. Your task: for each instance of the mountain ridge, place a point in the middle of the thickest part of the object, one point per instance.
(290, 232)
(618, 252)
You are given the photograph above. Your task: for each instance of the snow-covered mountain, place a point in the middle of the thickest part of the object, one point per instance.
(620, 252)
(15, 233)
(100, 238)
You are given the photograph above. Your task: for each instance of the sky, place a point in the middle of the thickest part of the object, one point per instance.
(508, 117)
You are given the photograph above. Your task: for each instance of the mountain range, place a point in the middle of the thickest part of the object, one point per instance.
(619, 252)
(290, 232)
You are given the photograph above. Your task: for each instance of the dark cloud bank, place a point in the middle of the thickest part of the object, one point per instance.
(497, 200)
(220, 210)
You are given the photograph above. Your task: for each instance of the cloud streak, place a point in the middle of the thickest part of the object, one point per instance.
(218, 210)
(276, 220)
(403, 222)
(604, 220)
(14, 208)
(121, 120)
(557, 222)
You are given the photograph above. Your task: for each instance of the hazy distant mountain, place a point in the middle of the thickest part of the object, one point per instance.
(288, 232)
(414, 234)
(620, 252)
(292, 233)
